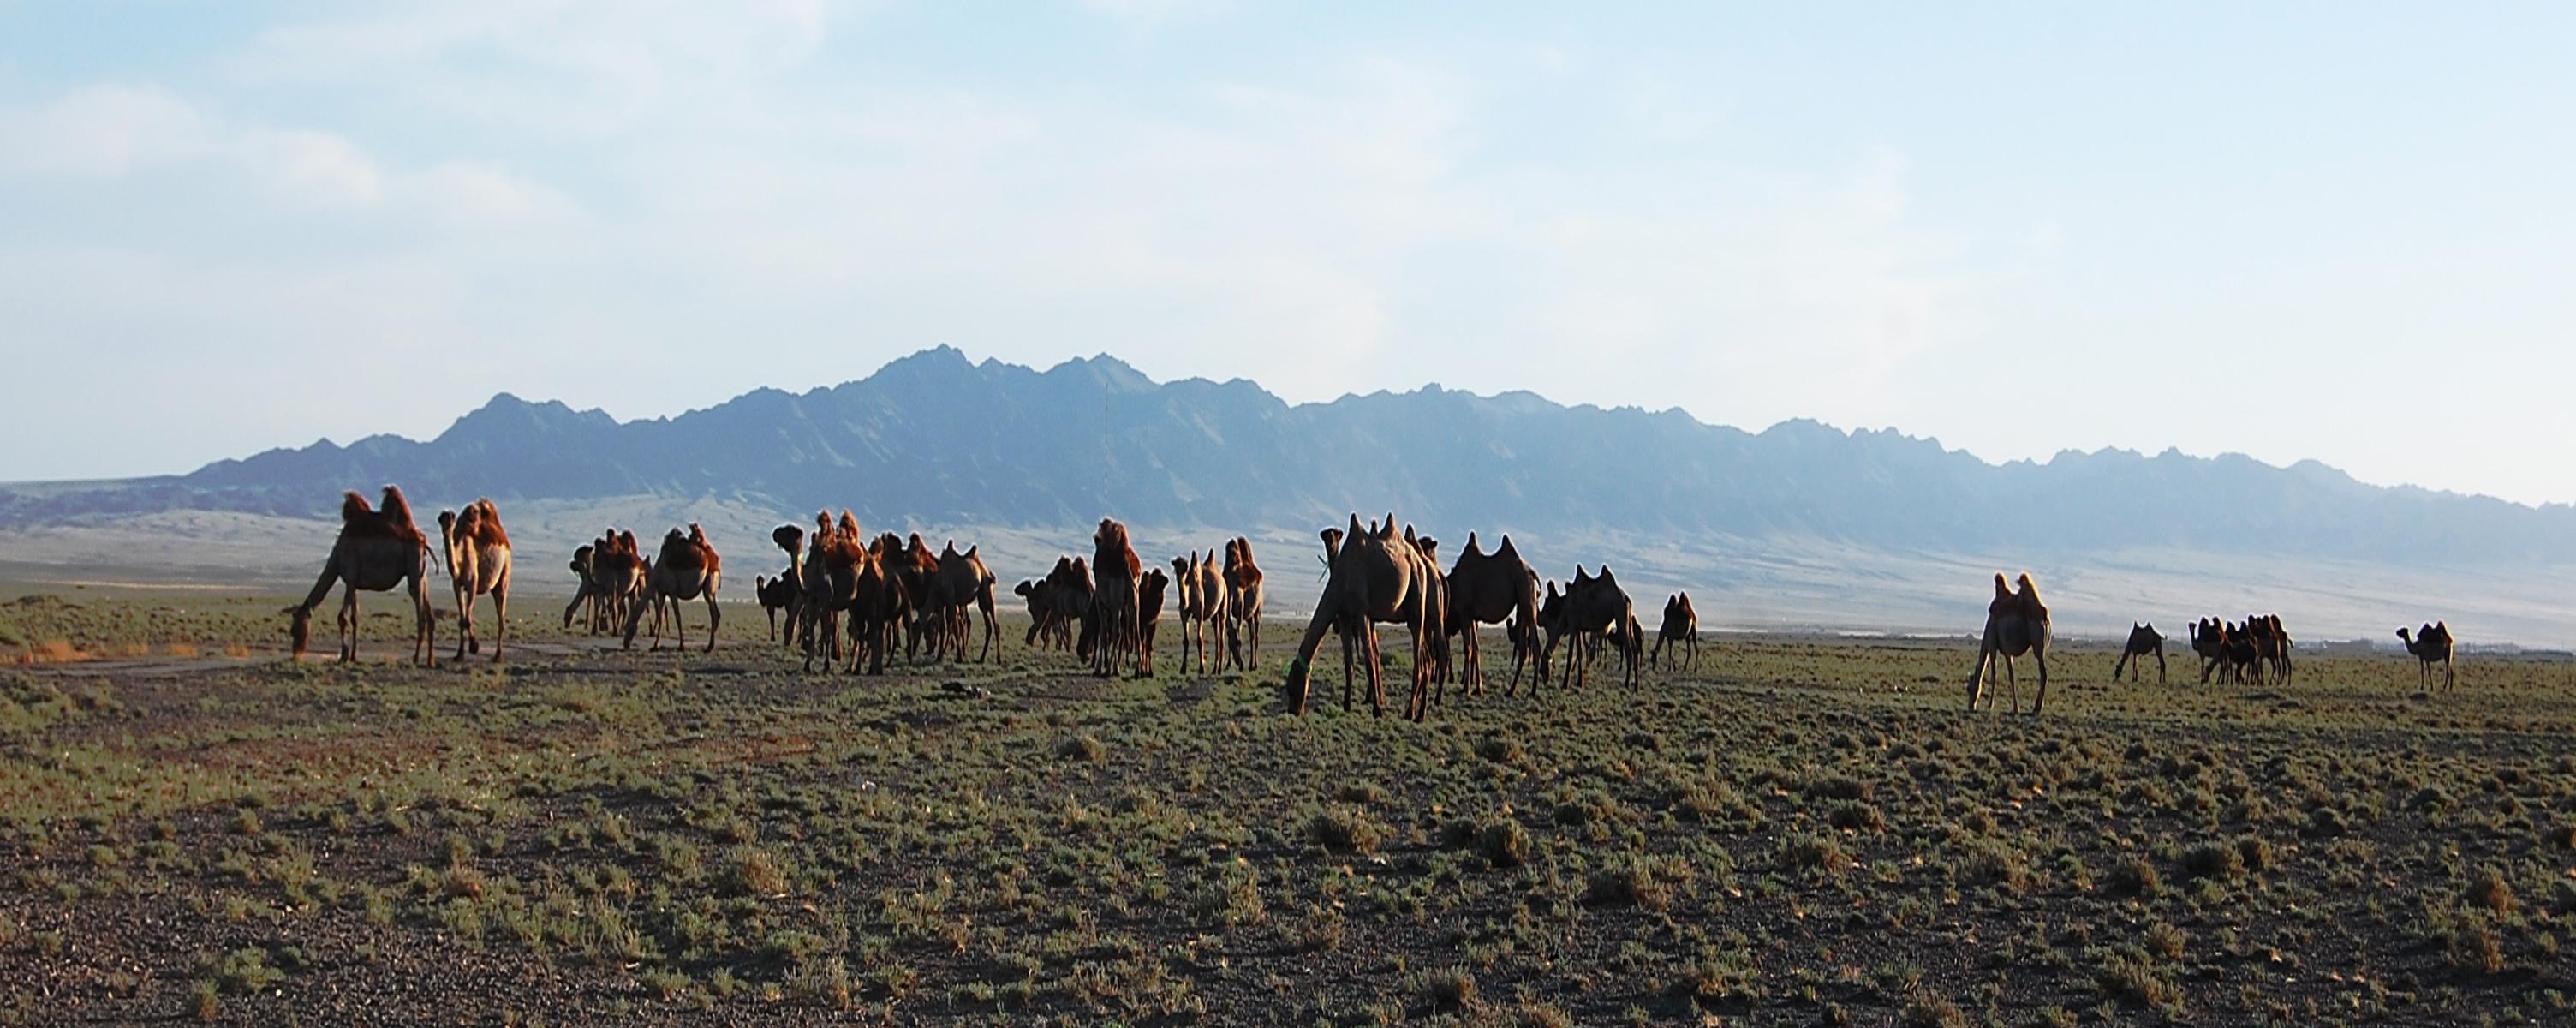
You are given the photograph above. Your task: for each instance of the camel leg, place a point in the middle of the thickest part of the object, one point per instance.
(2040, 654)
(500, 615)
(1349, 675)
(2012, 681)
(2160, 665)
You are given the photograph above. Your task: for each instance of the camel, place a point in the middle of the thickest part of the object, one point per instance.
(1594, 606)
(2143, 640)
(1487, 589)
(585, 601)
(1113, 626)
(1057, 602)
(2209, 640)
(1435, 608)
(847, 577)
(375, 550)
(2431, 644)
(687, 569)
(2016, 623)
(780, 595)
(1243, 615)
(2271, 643)
(964, 584)
(1680, 628)
(1203, 605)
(1372, 578)
(1149, 617)
(478, 563)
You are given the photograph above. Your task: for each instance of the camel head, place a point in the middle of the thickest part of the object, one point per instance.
(1025, 587)
(299, 626)
(447, 524)
(788, 537)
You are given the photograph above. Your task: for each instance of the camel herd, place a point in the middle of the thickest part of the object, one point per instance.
(845, 596)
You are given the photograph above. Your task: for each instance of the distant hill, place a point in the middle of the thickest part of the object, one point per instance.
(934, 437)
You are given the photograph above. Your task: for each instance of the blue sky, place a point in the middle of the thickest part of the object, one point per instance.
(2289, 230)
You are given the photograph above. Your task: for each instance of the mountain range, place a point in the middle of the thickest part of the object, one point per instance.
(936, 438)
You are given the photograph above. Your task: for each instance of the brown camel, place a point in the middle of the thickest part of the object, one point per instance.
(375, 550)
(2143, 641)
(1057, 603)
(780, 595)
(1489, 589)
(1373, 578)
(845, 577)
(1435, 610)
(1243, 617)
(1149, 617)
(2016, 623)
(1681, 629)
(2431, 644)
(478, 563)
(965, 585)
(687, 569)
(1203, 607)
(1594, 606)
(585, 602)
(622, 568)
(2209, 640)
(1113, 624)
(2271, 644)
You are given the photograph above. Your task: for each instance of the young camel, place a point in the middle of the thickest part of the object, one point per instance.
(688, 569)
(478, 563)
(1681, 629)
(1373, 577)
(1243, 617)
(1149, 617)
(2144, 640)
(375, 550)
(2016, 623)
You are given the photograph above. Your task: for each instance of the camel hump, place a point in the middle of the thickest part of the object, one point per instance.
(354, 506)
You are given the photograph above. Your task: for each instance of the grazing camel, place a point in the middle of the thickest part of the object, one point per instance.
(1680, 628)
(1488, 589)
(2431, 644)
(2016, 623)
(1594, 607)
(586, 601)
(375, 550)
(1243, 615)
(1373, 577)
(1113, 625)
(2143, 641)
(478, 563)
(687, 569)
(1149, 617)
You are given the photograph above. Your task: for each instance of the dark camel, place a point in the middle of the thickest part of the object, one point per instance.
(2143, 640)
(1594, 607)
(1113, 626)
(375, 551)
(2431, 644)
(2016, 623)
(1490, 589)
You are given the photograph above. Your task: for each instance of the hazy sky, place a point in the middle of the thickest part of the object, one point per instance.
(2336, 231)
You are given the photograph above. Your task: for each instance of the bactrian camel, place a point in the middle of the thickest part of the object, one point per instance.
(478, 563)
(1373, 577)
(2016, 623)
(1243, 616)
(1491, 589)
(2143, 641)
(1681, 629)
(375, 551)
(687, 569)
(2431, 644)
